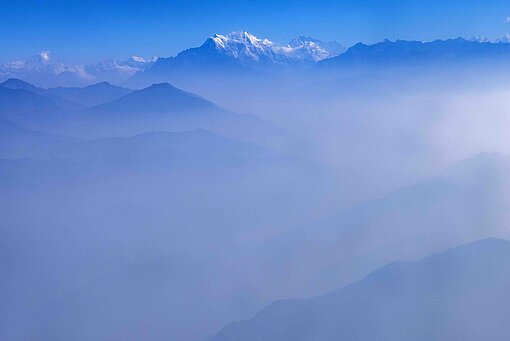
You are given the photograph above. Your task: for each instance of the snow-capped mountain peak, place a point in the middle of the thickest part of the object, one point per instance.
(480, 39)
(237, 37)
(314, 49)
(136, 60)
(248, 47)
(243, 45)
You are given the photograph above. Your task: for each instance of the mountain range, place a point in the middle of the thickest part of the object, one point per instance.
(242, 53)
(403, 52)
(236, 55)
(42, 70)
(238, 47)
(71, 98)
(242, 57)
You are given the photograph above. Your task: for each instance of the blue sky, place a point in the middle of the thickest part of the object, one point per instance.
(86, 31)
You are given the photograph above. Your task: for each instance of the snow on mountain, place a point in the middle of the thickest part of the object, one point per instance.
(238, 47)
(40, 63)
(314, 49)
(505, 39)
(235, 56)
(480, 39)
(42, 70)
(246, 46)
(129, 66)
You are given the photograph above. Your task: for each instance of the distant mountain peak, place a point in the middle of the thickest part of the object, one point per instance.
(314, 48)
(162, 98)
(15, 81)
(138, 59)
(103, 84)
(160, 86)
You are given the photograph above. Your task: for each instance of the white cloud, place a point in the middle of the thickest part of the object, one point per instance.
(44, 56)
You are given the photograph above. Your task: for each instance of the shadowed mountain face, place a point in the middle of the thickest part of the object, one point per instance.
(461, 294)
(14, 83)
(61, 101)
(21, 105)
(72, 98)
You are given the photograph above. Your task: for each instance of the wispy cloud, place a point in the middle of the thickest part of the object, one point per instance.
(507, 19)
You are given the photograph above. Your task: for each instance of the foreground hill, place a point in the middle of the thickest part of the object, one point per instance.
(461, 294)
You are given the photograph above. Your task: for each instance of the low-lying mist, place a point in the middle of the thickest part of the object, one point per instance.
(169, 226)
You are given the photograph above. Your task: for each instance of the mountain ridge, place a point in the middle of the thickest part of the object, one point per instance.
(428, 299)
(396, 52)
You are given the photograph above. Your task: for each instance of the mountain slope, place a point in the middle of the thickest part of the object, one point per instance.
(14, 83)
(460, 294)
(18, 142)
(91, 95)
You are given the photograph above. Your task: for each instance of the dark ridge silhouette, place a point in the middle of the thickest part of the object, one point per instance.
(61, 101)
